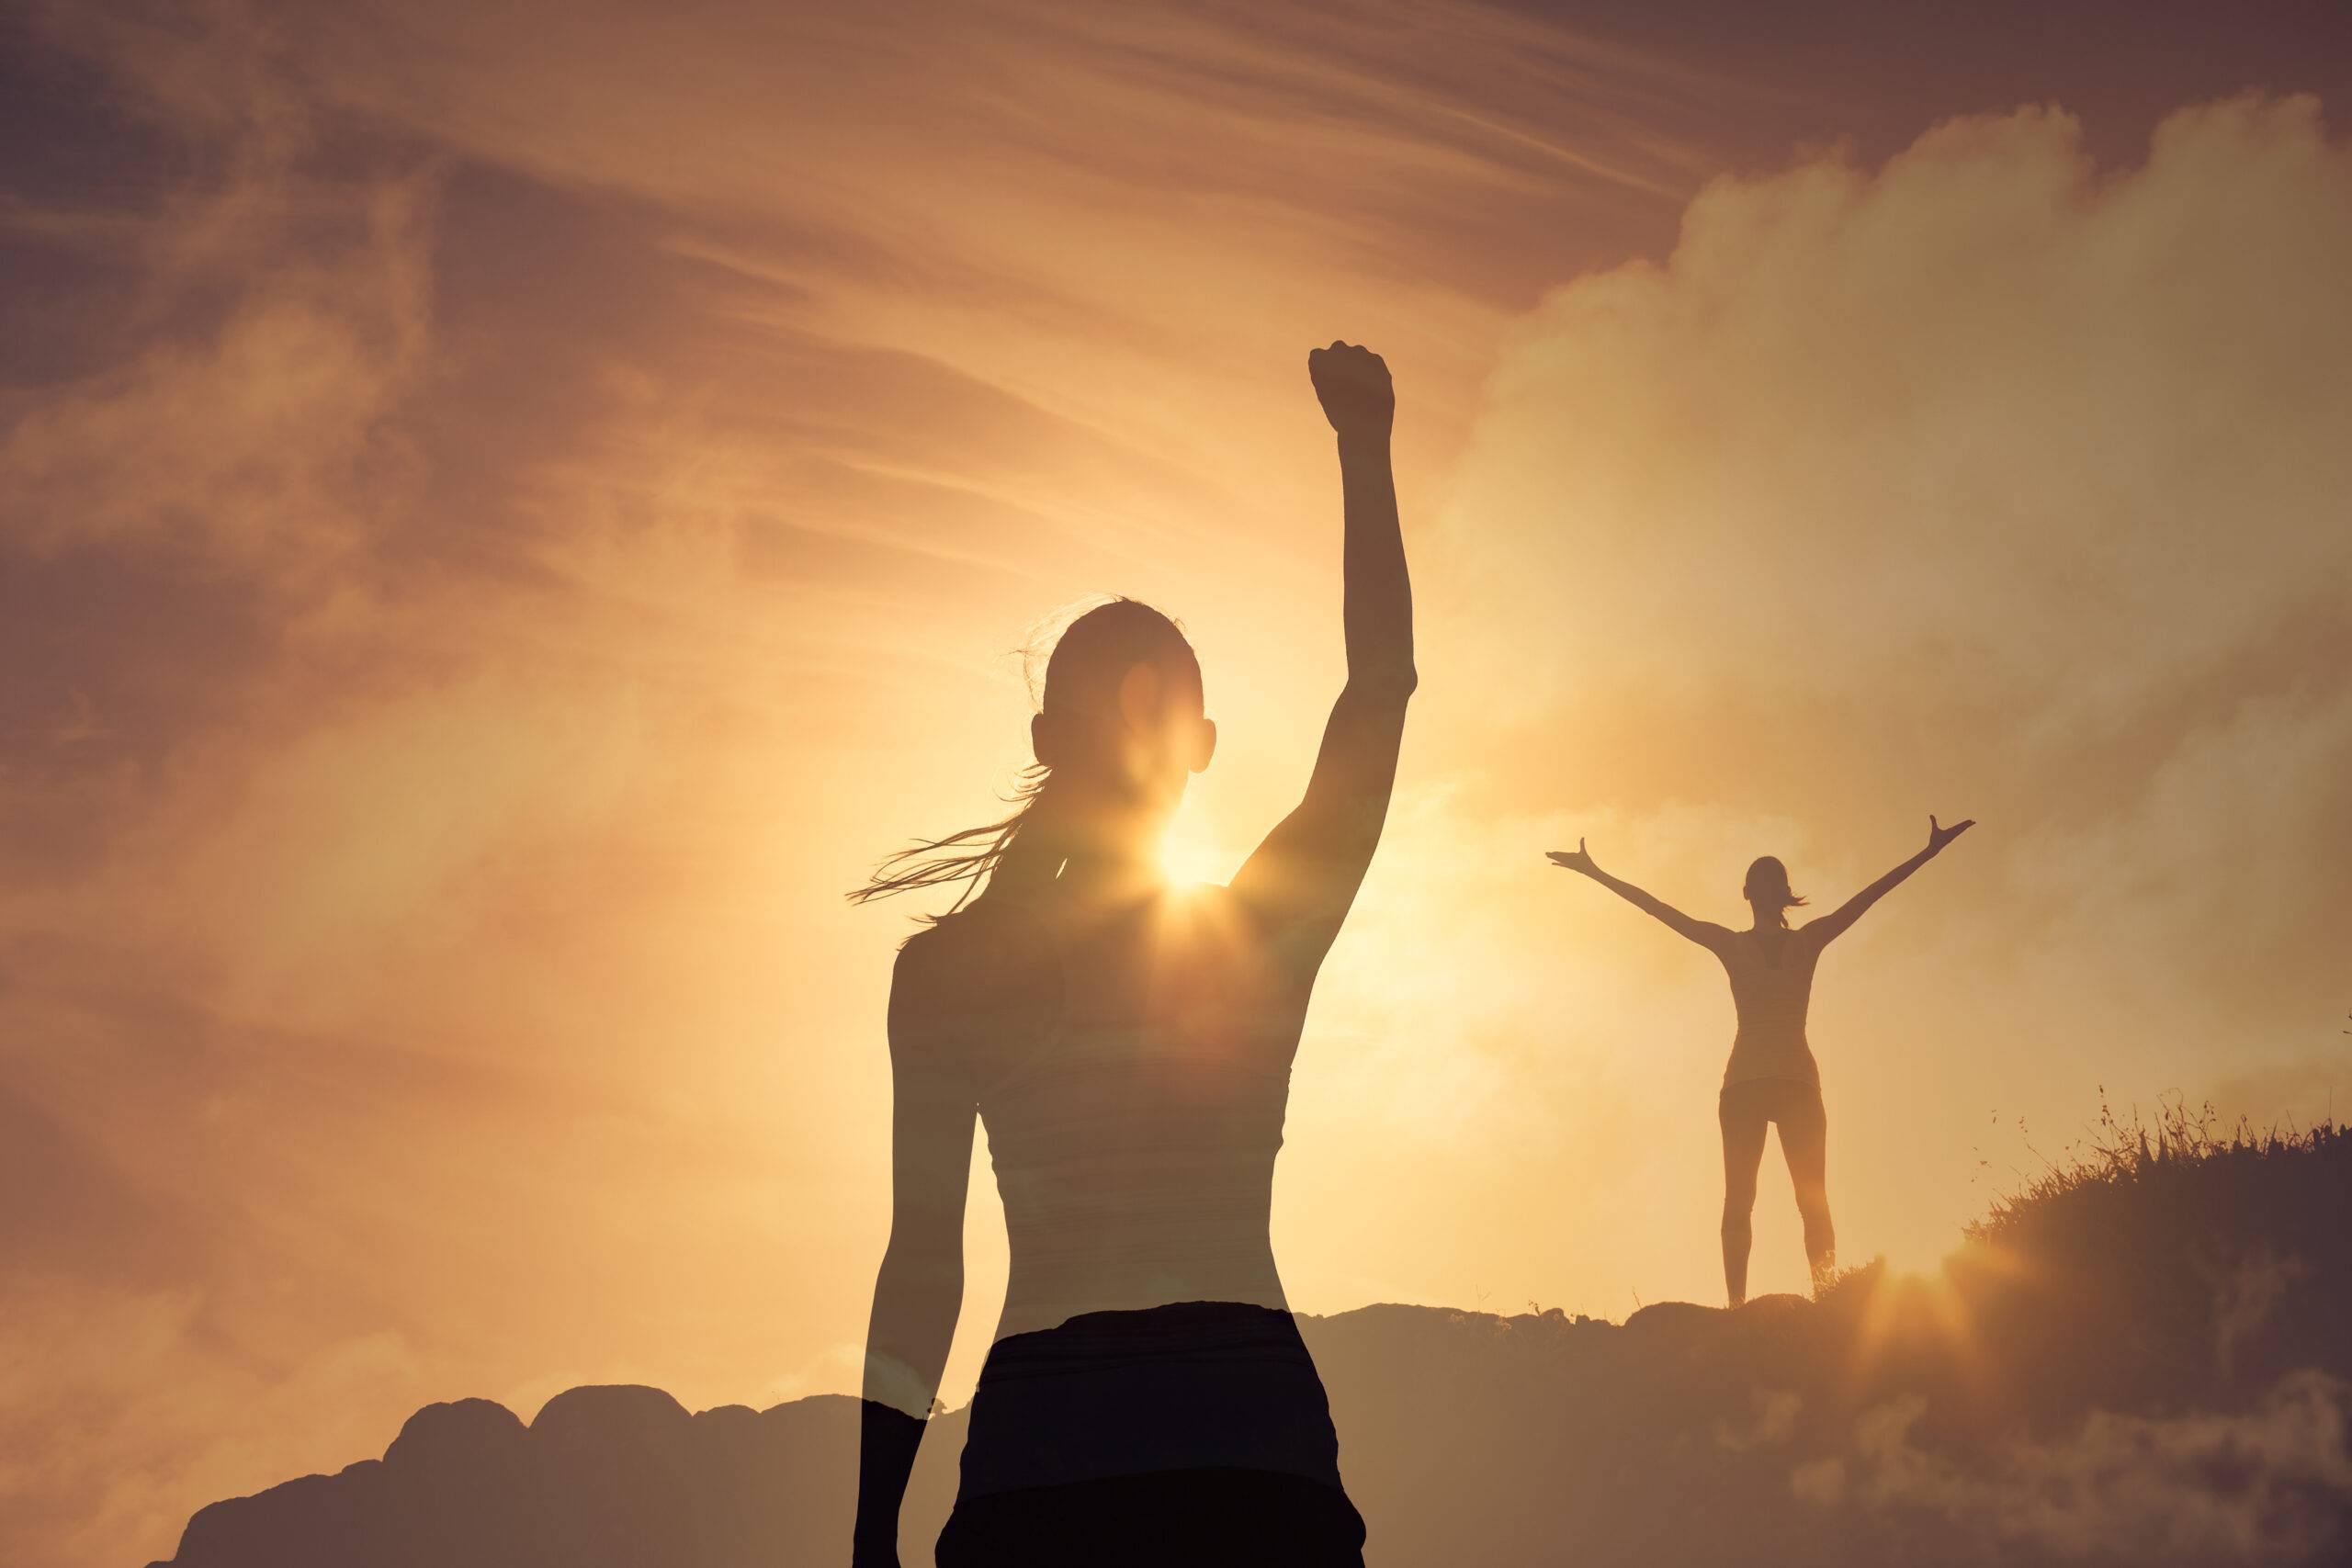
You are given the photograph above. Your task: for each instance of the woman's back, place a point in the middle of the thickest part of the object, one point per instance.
(1771, 989)
(1132, 1072)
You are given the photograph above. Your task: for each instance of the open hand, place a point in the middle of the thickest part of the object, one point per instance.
(1578, 858)
(1352, 384)
(1938, 837)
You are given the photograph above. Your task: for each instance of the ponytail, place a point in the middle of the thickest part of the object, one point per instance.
(1021, 850)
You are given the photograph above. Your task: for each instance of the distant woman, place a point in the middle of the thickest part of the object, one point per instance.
(1147, 1398)
(1772, 1077)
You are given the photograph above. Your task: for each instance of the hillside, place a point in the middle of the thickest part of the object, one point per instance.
(2143, 1357)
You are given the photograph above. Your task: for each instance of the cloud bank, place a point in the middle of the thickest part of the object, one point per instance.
(1987, 482)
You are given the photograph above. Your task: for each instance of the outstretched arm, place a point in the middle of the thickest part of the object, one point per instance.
(920, 1285)
(1305, 874)
(1834, 924)
(1706, 933)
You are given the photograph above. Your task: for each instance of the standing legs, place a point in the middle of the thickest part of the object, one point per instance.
(1744, 1119)
(1805, 1141)
(1745, 1110)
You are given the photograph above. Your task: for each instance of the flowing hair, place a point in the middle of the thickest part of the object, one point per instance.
(1024, 848)
(973, 856)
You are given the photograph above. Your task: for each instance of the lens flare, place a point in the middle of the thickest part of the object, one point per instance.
(1187, 855)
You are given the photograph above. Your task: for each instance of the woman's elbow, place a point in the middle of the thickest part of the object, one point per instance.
(1388, 684)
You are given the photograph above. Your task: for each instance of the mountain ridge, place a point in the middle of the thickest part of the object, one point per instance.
(2143, 1359)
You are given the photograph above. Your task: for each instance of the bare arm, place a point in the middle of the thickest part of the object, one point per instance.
(1834, 924)
(1706, 933)
(921, 1286)
(1305, 875)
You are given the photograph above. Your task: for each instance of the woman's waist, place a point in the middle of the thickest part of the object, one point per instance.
(1128, 1215)
(1110, 1340)
(1049, 1286)
(1789, 1058)
(1771, 1035)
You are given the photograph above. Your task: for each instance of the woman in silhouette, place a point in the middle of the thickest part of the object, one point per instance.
(1147, 1397)
(1771, 1078)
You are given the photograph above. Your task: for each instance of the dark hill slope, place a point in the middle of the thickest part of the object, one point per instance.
(2147, 1358)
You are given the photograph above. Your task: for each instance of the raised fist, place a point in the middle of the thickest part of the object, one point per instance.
(1352, 383)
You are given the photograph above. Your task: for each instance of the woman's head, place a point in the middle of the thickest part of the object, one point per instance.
(1767, 888)
(1121, 723)
(1119, 729)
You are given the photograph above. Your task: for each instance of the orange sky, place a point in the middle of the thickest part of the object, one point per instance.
(501, 522)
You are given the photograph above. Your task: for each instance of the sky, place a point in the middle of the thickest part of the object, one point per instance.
(503, 520)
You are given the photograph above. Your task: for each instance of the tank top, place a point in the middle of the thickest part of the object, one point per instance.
(1135, 1112)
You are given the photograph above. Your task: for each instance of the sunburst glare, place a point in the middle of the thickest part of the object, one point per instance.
(1187, 856)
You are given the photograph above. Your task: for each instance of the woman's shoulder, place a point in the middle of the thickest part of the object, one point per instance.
(984, 950)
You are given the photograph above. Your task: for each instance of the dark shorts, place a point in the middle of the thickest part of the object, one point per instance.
(1193, 1432)
(1795, 1106)
(1251, 1518)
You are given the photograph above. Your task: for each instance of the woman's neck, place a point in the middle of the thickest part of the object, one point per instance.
(1111, 871)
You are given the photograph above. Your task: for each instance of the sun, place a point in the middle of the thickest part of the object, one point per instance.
(1186, 855)
(1187, 862)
